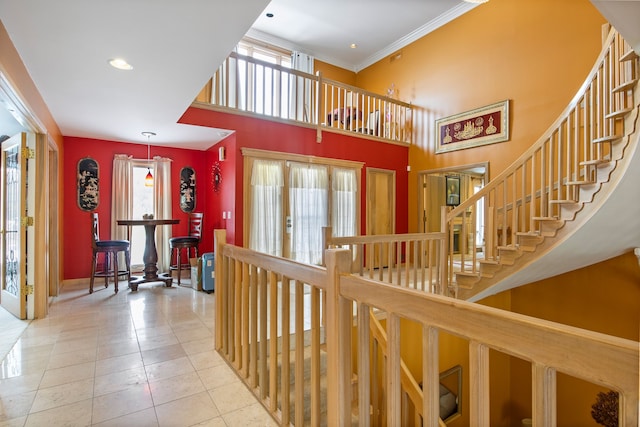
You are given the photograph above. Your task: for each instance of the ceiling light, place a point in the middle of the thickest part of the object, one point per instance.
(353, 45)
(120, 64)
(269, 15)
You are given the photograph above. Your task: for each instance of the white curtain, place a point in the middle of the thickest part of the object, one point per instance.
(121, 194)
(343, 202)
(162, 209)
(301, 89)
(267, 180)
(308, 197)
(122, 202)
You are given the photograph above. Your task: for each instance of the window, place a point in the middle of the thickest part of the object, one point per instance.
(144, 199)
(290, 198)
(260, 95)
(308, 206)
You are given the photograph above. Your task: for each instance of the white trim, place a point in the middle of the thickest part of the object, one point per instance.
(430, 26)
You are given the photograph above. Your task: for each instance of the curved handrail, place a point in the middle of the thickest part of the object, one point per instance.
(547, 184)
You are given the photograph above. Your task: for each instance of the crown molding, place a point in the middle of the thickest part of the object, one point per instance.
(422, 31)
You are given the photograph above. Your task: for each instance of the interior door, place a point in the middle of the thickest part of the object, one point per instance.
(13, 247)
(380, 205)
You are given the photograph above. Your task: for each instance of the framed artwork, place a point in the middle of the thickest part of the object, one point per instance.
(88, 184)
(187, 189)
(482, 126)
(453, 190)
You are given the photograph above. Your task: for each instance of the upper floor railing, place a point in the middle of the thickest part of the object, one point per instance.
(249, 85)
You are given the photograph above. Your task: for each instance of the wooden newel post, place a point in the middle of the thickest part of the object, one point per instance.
(338, 333)
(219, 239)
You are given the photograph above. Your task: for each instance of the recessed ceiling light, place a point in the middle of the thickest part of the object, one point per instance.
(353, 46)
(269, 15)
(120, 64)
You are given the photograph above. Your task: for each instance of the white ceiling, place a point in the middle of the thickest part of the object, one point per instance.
(174, 47)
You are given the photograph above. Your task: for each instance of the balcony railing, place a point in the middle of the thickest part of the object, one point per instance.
(251, 86)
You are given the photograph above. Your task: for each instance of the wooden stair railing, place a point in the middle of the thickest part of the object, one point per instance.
(530, 202)
(410, 386)
(262, 317)
(413, 260)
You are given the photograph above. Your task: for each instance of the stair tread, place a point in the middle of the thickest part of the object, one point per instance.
(563, 201)
(535, 233)
(618, 113)
(581, 182)
(467, 274)
(607, 138)
(546, 218)
(593, 162)
(629, 56)
(624, 86)
(508, 248)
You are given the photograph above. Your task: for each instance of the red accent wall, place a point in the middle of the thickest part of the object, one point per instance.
(250, 133)
(76, 239)
(275, 136)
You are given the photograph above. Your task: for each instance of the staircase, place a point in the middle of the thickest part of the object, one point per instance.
(569, 200)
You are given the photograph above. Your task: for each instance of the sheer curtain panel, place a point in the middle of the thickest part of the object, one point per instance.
(308, 199)
(162, 209)
(267, 181)
(343, 202)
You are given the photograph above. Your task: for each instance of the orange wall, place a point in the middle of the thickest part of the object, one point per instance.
(535, 53)
(335, 73)
(603, 297)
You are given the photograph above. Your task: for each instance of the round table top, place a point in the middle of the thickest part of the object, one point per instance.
(147, 221)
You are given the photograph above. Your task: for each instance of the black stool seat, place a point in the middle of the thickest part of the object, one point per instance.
(184, 240)
(118, 244)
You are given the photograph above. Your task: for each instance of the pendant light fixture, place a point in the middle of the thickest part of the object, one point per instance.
(148, 180)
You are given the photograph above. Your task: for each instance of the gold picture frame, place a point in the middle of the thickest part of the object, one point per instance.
(482, 126)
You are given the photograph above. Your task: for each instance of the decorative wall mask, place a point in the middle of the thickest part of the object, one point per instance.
(88, 184)
(187, 189)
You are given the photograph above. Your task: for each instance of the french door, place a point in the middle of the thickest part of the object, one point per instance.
(16, 232)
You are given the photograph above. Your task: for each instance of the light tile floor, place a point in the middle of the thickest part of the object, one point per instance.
(142, 358)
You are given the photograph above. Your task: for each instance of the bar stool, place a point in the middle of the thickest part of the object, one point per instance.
(110, 249)
(177, 244)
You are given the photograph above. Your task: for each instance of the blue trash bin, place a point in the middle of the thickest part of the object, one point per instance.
(208, 272)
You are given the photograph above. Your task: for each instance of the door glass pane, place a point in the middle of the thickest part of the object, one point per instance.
(142, 205)
(308, 202)
(12, 225)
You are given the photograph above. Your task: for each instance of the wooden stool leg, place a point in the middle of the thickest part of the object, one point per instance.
(115, 271)
(127, 256)
(106, 269)
(179, 262)
(93, 270)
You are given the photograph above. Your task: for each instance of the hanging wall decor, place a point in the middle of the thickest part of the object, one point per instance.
(88, 188)
(217, 176)
(482, 126)
(187, 189)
